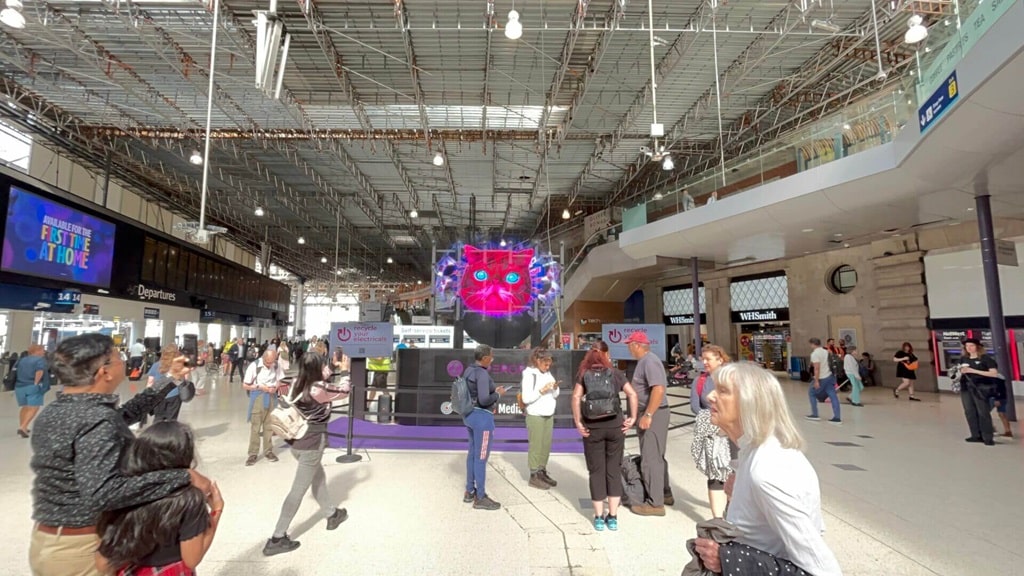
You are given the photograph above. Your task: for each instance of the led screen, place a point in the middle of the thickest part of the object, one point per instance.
(47, 239)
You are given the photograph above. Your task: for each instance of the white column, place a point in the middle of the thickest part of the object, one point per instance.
(300, 308)
(19, 330)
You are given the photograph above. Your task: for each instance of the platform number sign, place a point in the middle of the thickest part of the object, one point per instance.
(939, 102)
(69, 297)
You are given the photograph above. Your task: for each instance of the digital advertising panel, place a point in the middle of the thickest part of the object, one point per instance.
(47, 239)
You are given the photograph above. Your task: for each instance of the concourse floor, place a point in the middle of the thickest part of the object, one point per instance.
(903, 495)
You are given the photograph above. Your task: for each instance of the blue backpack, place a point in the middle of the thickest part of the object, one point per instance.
(462, 401)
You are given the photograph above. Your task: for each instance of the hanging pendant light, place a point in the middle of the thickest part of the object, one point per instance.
(514, 29)
(916, 30)
(11, 16)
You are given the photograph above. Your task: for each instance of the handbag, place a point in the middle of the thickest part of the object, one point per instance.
(911, 365)
(187, 391)
(287, 421)
(10, 379)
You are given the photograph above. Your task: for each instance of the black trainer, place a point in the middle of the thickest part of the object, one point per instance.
(486, 503)
(339, 516)
(544, 476)
(468, 497)
(280, 545)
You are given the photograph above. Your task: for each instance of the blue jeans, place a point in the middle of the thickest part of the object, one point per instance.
(480, 426)
(830, 386)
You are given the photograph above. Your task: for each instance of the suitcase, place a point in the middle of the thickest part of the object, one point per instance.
(135, 375)
(384, 408)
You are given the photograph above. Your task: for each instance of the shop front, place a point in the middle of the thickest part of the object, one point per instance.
(759, 311)
(678, 315)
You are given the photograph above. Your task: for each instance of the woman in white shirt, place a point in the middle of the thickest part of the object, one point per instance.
(852, 369)
(540, 391)
(776, 500)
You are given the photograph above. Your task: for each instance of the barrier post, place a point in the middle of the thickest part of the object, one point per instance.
(358, 391)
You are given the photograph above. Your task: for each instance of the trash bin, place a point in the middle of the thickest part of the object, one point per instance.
(797, 365)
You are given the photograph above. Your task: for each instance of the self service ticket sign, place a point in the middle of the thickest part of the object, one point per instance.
(363, 339)
(615, 335)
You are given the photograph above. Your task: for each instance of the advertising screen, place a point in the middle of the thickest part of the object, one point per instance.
(50, 240)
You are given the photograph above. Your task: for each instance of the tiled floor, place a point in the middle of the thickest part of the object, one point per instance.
(905, 496)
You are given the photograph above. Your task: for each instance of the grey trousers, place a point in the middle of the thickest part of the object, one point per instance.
(309, 473)
(653, 467)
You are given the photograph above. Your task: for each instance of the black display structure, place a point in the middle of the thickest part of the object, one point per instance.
(425, 378)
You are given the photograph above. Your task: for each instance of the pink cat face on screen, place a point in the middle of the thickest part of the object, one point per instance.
(496, 281)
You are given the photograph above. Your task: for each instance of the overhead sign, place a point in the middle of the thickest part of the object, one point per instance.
(756, 316)
(363, 339)
(152, 313)
(940, 101)
(208, 314)
(684, 319)
(1006, 253)
(143, 292)
(615, 335)
(69, 297)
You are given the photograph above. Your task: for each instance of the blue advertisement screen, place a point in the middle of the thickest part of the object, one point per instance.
(50, 240)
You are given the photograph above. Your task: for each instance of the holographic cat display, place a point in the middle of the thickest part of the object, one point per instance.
(496, 281)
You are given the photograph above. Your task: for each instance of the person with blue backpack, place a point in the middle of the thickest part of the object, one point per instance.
(480, 426)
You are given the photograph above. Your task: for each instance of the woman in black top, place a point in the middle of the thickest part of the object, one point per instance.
(309, 451)
(906, 370)
(170, 535)
(603, 439)
(979, 382)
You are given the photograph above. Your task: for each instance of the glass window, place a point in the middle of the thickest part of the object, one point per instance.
(193, 264)
(680, 301)
(160, 268)
(148, 260)
(842, 279)
(172, 267)
(759, 293)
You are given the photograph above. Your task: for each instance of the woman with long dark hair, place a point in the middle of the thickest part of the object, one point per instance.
(603, 431)
(171, 535)
(906, 370)
(313, 398)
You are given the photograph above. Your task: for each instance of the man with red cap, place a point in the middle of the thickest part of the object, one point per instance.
(650, 381)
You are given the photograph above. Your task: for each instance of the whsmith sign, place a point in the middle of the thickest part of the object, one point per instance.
(753, 316)
(684, 319)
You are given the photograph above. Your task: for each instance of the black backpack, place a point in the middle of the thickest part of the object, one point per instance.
(601, 400)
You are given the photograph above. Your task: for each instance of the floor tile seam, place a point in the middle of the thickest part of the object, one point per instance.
(565, 542)
(883, 543)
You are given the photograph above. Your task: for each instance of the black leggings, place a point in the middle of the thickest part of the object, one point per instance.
(603, 452)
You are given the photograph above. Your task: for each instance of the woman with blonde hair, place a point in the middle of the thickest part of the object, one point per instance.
(776, 499)
(170, 406)
(711, 451)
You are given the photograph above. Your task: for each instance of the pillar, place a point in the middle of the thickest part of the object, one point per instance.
(19, 330)
(695, 278)
(300, 309)
(993, 292)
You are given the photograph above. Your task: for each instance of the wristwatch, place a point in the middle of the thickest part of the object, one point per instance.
(648, 415)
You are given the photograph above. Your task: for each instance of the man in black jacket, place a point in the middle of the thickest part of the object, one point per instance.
(77, 449)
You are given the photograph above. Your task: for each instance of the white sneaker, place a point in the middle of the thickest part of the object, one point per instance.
(812, 418)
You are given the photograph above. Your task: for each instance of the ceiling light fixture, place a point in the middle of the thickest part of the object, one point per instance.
(419, 282)
(805, 230)
(196, 158)
(667, 163)
(565, 214)
(846, 126)
(438, 159)
(301, 240)
(11, 16)
(413, 213)
(258, 211)
(658, 196)
(514, 29)
(323, 259)
(827, 26)
(916, 30)
(391, 260)
(502, 243)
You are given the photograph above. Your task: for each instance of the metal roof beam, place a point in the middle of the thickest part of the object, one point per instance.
(315, 22)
